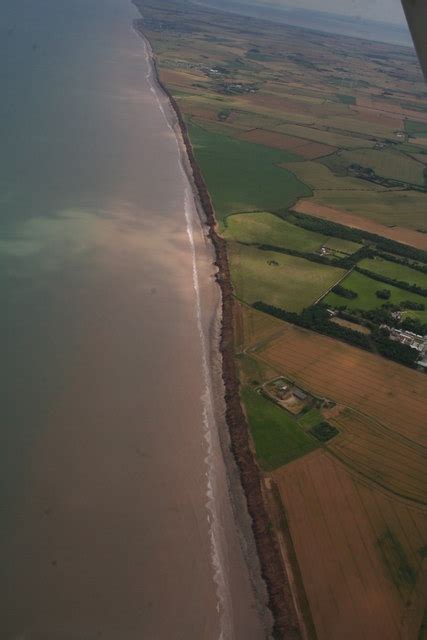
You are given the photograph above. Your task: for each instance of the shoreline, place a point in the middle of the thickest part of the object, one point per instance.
(272, 570)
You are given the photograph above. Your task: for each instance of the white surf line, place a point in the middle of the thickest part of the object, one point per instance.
(222, 589)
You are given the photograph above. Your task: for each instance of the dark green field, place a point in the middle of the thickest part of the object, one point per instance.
(415, 128)
(243, 176)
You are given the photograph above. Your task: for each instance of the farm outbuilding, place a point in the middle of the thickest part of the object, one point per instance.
(299, 393)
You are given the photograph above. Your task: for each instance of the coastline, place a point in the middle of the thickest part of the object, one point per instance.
(272, 570)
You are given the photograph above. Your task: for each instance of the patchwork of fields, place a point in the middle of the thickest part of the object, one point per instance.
(280, 130)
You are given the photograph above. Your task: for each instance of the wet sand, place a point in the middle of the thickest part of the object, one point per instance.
(119, 518)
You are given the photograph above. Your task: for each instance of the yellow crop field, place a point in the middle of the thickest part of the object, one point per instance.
(359, 551)
(381, 455)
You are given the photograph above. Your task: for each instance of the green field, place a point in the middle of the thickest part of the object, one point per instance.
(266, 228)
(415, 128)
(391, 208)
(341, 245)
(318, 176)
(395, 271)
(346, 99)
(278, 279)
(366, 299)
(385, 163)
(242, 176)
(278, 438)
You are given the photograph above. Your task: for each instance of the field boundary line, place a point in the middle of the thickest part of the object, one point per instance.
(334, 285)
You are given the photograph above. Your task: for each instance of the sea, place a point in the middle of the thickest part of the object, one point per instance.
(117, 516)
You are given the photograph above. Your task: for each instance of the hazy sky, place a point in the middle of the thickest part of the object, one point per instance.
(382, 10)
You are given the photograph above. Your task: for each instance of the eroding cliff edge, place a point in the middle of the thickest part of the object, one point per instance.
(280, 602)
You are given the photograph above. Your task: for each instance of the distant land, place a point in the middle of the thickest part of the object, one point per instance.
(319, 20)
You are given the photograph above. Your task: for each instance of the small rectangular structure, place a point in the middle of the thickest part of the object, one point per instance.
(299, 393)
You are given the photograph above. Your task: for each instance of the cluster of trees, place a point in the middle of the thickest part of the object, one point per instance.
(414, 288)
(415, 325)
(404, 250)
(344, 293)
(384, 294)
(370, 318)
(415, 306)
(324, 431)
(394, 350)
(317, 318)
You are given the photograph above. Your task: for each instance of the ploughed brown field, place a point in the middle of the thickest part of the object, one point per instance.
(399, 234)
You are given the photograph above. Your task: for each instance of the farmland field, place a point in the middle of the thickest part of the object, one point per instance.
(388, 164)
(253, 328)
(266, 228)
(395, 271)
(360, 380)
(306, 149)
(361, 569)
(278, 279)
(390, 208)
(243, 176)
(319, 177)
(361, 445)
(366, 288)
(325, 136)
(399, 234)
(415, 128)
(277, 436)
(367, 123)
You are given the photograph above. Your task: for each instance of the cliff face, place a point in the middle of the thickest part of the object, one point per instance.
(273, 572)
